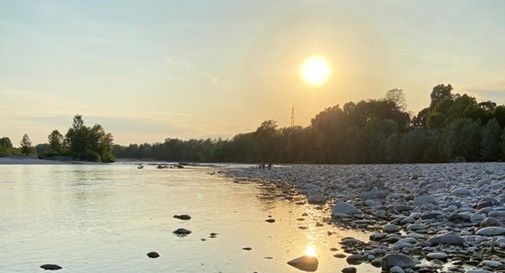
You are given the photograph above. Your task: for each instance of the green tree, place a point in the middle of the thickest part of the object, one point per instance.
(56, 141)
(26, 145)
(5, 146)
(439, 94)
(490, 141)
(89, 143)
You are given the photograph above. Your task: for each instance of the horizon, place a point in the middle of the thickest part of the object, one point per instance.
(152, 71)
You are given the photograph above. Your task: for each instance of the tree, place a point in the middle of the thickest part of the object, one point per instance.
(56, 141)
(26, 145)
(397, 97)
(5, 146)
(490, 141)
(439, 94)
(88, 143)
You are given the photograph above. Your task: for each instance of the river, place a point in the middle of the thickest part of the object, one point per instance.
(105, 218)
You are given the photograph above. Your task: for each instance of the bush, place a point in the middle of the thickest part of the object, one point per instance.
(91, 156)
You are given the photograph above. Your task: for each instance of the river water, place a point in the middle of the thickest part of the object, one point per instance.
(105, 218)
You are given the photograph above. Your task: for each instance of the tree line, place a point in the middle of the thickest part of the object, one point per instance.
(453, 127)
(79, 143)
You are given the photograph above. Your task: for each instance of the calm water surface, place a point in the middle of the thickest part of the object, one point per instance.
(96, 218)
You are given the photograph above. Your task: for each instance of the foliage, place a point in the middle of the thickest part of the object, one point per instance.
(26, 145)
(368, 131)
(87, 143)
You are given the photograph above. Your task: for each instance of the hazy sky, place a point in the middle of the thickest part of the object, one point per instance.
(148, 70)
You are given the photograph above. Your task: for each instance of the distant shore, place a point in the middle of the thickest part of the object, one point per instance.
(20, 160)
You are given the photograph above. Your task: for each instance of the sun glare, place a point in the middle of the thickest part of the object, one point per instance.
(315, 71)
(310, 250)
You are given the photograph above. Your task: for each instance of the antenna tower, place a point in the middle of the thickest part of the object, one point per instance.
(292, 115)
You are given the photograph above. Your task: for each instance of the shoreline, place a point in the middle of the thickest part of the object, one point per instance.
(432, 217)
(11, 160)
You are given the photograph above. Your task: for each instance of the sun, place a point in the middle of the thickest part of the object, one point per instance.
(315, 71)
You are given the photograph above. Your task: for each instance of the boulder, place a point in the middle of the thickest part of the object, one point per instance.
(436, 256)
(354, 259)
(425, 199)
(344, 208)
(490, 222)
(390, 228)
(396, 269)
(316, 198)
(396, 259)
(373, 194)
(497, 213)
(461, 192)
(349, 269)
(447, 238)
(305, 263)
(491, 231)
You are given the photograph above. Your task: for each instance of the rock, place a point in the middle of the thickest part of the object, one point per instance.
(497, 213)
(339, 255)
(182, 232)
(425, 199)
(401, 260)
(478, 271)
(396, 269)
(448, 238)
(484, 204)
(373, 194)
(491, 231)
(270, 220)
(437, 255)
(316, 199)
(460, 216)
(344, 208)
(182, 217)
(461, 192)
(349, 269)
(153, 254)
(247, 248)
(376, 262)
(430, 215)
(390, 228)
(349, 241)
(490, 222)
(51, 267)
(305, 263)
(354, 259)
(492, 264)
(377, 236)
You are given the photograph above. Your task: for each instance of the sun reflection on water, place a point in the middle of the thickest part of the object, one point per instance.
(310, 250)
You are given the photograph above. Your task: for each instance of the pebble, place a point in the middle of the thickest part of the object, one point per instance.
(153, 254)
(305, 263)
(182, 232)
(349, 269)
(182, 217)
(51, 267)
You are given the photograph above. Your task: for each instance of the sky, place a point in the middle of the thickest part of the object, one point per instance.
(150, 70)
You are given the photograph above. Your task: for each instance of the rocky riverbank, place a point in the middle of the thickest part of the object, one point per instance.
(422, 218)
